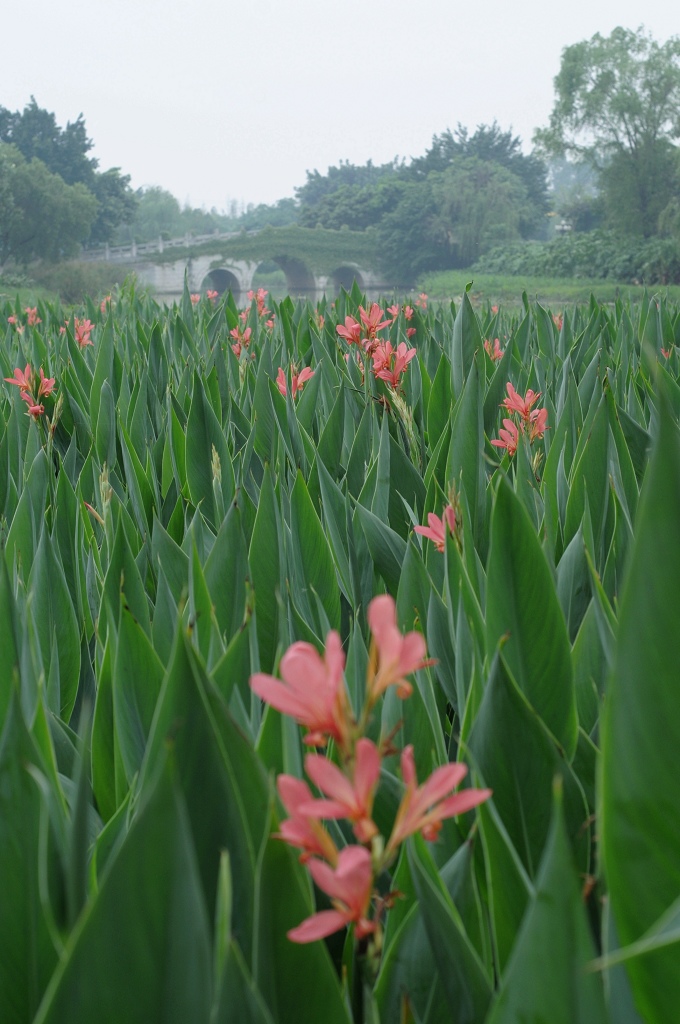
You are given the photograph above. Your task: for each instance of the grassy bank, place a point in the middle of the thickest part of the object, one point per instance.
(553, 292)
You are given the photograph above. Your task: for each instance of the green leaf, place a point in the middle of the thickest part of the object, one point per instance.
(522, 604)
(462, 973)
(387, 548)
(640, 797)
(465, 341)
(312, 554)
(279, 964)
(27, 954)
(137, 678)
(264, 561)
(547, 977)
(517, 758)
(150, 897)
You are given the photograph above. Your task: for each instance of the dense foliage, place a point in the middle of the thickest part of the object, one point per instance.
(592, 255)
(54, 158)
(617, 107)
(435, 539)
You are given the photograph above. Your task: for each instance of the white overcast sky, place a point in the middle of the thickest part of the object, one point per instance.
(216, 100)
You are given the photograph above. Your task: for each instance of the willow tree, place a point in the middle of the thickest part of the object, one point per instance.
(617, 108)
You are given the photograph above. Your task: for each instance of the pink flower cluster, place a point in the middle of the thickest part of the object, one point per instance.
(24, 380)
(313, 692)
(389, 363)
(494, 352)
(296, 379)
(260, 295)
(436, 528)
(532, 421)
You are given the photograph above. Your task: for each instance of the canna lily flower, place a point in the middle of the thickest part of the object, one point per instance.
(350, 886)
(393, 311)
(393, 656)
(665, 352)
(408, 312)
(83, 330)
(269, 323)
(372, 320)
(410, 331)
(558, 320)
(296, 380)
(436, 527)
(351, 332)
(34, 410)
(105, 304)
(423, 808)
(348, 799)
(494, 309)
(538, 424)
(422, 300)
(312, 691)
(33, 318)
(22, 378)
(46, 385)
(494, 353)
(515, 403)
(195, 299)
(389, 364)
(509, 438)
(303, 830)
(211, 294)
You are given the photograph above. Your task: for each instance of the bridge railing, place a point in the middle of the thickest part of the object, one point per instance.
(134, 250)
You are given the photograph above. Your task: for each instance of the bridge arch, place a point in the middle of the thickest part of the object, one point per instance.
(299, 278)
(222, 280)
(345, 275)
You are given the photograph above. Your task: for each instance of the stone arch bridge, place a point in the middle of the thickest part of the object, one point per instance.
(313, 260)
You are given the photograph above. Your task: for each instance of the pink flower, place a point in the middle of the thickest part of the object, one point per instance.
(83, 330)
(494, 309)
(494, 353)
(11, 320)
(393, 656)
(372, 320)
(105, 304)
(422, 300)
(408, 312)
(350, 886)
(242, 338)
(195, 299)
(538, 423)
(423, 808)
(46, 385)
(393, 311)
(296, 380)
(34, 409)
(351, 332)
(211, 294)
(389, 364)
(312, 691)
(22, 378)
(269, 323)
(243, 315)
(557, 320)
(349, 799)
(515, 403)
(666, 353)
(436, 528)
(33, 317)
(303, 830)
(410, 331)
(509, 438)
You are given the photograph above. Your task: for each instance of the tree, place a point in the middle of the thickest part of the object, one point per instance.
(40, 215)
(117, 204)
(35, 133)
(617, 106)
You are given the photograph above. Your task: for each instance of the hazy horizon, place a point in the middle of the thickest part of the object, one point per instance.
(215, 107)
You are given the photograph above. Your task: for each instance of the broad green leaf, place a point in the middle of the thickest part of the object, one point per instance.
(141, 950)
(522, 606)
(640, 798)
(547, 977)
